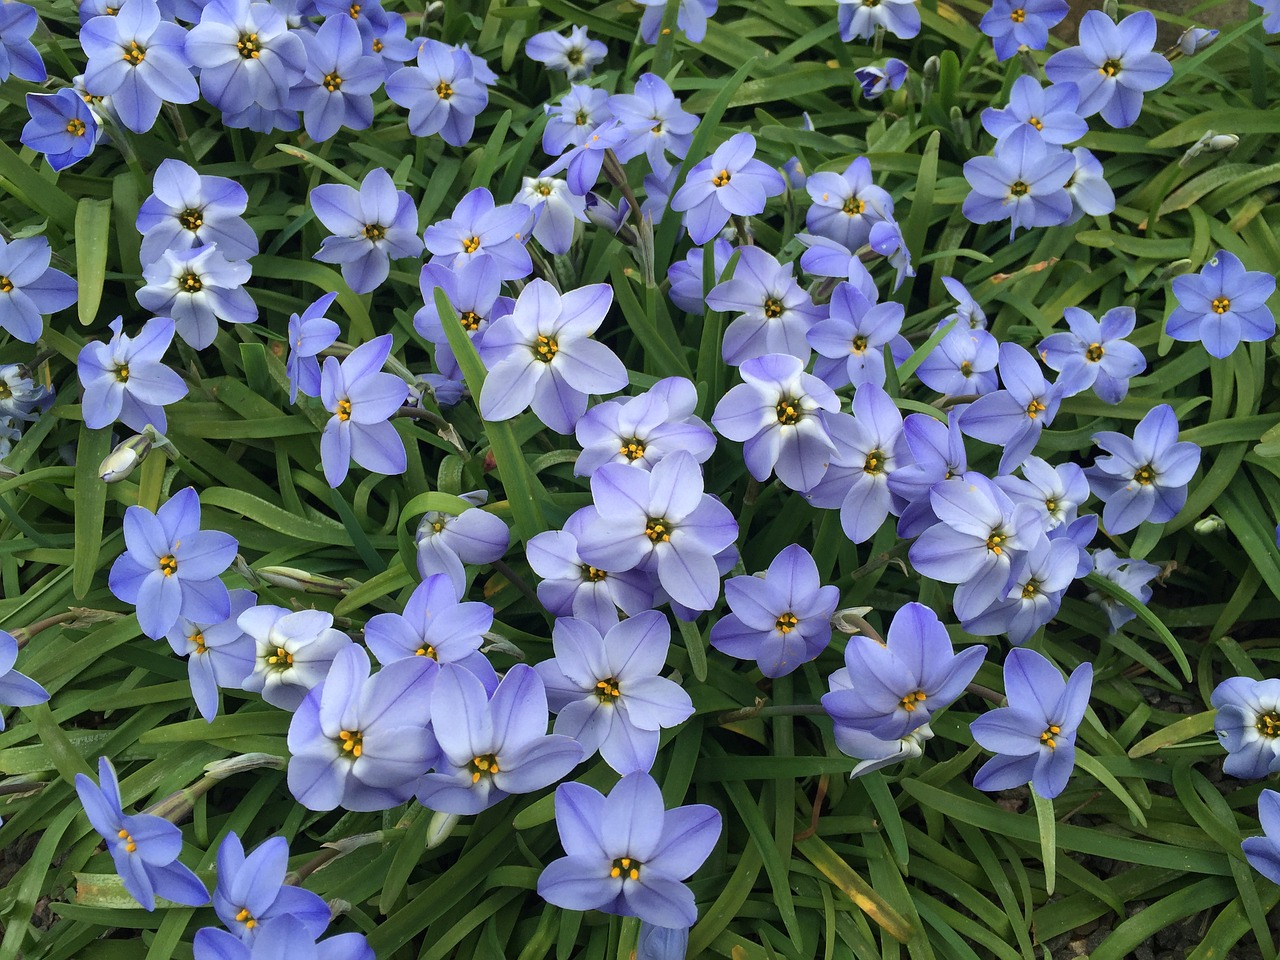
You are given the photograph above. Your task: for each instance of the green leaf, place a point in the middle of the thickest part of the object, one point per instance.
(91, 504)
(1114, 590)
(93, 232)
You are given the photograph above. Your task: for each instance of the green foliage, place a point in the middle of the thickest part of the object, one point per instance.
(909, 862)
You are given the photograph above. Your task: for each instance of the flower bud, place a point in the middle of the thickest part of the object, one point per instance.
(124, 459)
(1211, 524)
(295, 579)
(850, 619)
(958, 125)
(929, 76)
(1223, 141)
(1195, 39)
(440, 828)
(232, 766)
(604, 214)
(1111, 8)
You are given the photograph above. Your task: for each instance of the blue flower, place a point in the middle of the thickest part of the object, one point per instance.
(1222, 305)
(890, 690)
(1049, 112)
(691, 17)
(22, 398)
(1014, 23)
(870, 447)
(246, 55)
(774, 313)
(846, 205)
(978, 535)
(197, 288)
(30, 288)
(542, 356)
(962, 363)
(1144, 478)
(571, 121)
(340, 78)
(1055, 492)
(858, 19)
(1263, 853)
(642, 430)
(170, 567)
(627, 854)
(558, 210)
(660, 519)
(662, 943)
(606, 692)
(125, 378)
(18, 55)
(309, 333)
(189, 209)
(574, 55)
(1034, 738)
(473, 288)
(729, 182)
(361, 742)
(286, 939)
(780, 414)
(875, 80)
(1089, 191)
(654, 123)
(442, 92)
(852, 339)
(145, 848)
(16, 689)
(137, 59)
(685, 276)
(1095, 353)
(362, 400)
(369, 227)
(479, 228)
(781, 618)
(1037, 581)
(936, 453)
(292, 652)
(219, 653)
(62, 126)
(435, 624)
(1135, 576)
(1024, 182)
(1113, 66)
(571, 588)
(1013, 417)
(1248, 724)
(492, 746)
(446, 541)
(251, 894)
(583, 161)
(1270, 18)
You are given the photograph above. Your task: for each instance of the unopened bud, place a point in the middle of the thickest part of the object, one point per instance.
(434, 11)
(661, 943)
(230, 767)
(338, 908)
(440, 828)
(1175, 269)
(294, 579)
(1223, 141)
(1209, 525)
(929, 74)
(958, 125)
(1195, 39)
(1211, 141)
(124, 459)
(1111, 8)
(493, 643)
(850, 620)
